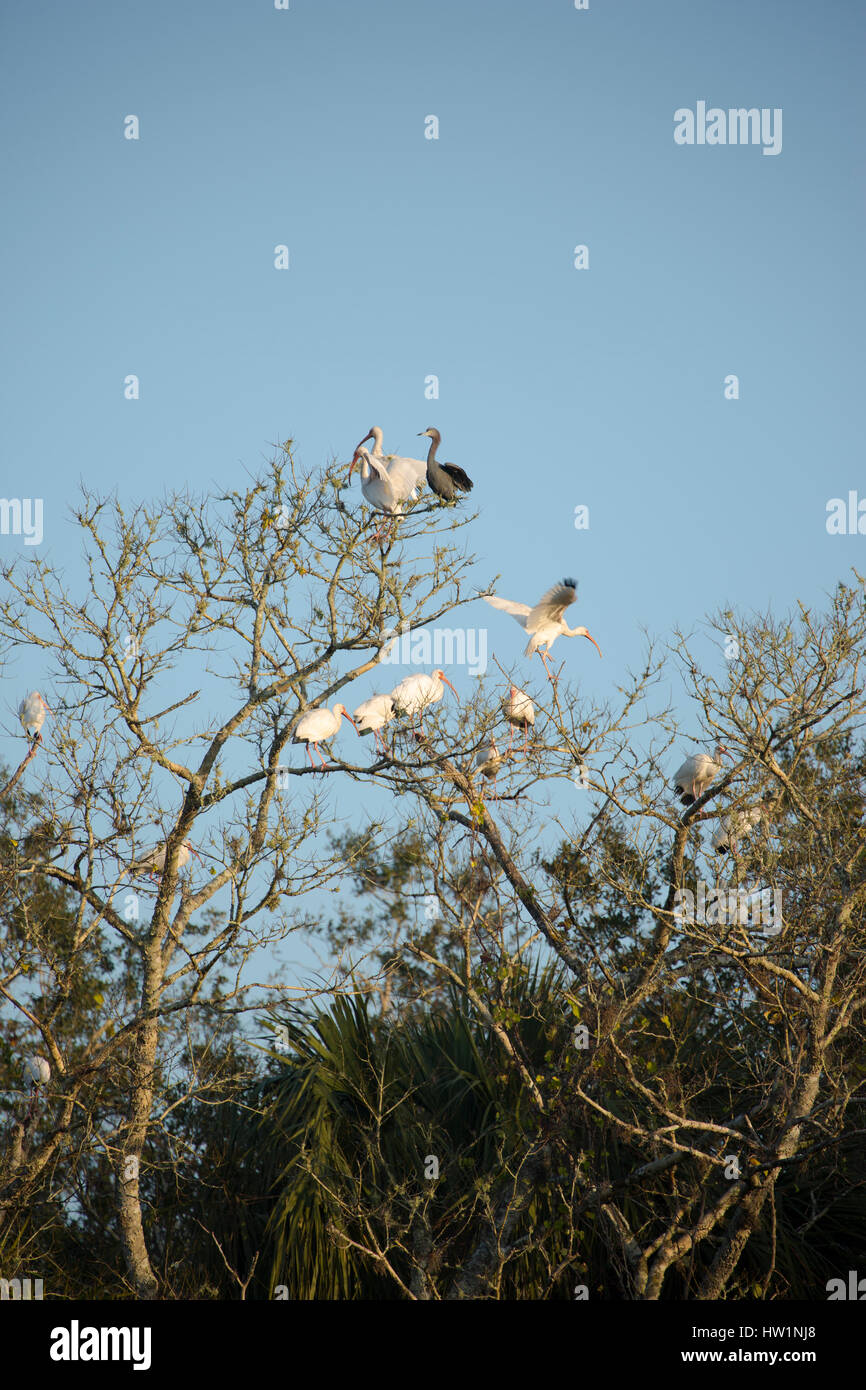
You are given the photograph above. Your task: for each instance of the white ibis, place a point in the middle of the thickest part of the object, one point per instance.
(38, 1069)
(445, 479)
(373, 715)
(405, 474)
(375, 483)
(387, 480)
(32, 712)
(415, 693)
(382, 494)
(520, 713)
(734, 827)
(488, 761)
(698, 773)
(545, 622)
(317, 725)
(153, 862)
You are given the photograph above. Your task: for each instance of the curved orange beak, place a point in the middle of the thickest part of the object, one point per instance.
(591, 639)
(357, 447)
(450, 686)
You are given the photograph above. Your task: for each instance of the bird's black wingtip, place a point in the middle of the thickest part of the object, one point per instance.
(570, 583)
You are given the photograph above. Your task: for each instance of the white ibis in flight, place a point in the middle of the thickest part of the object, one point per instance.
(520, 713)
(153, 862)
(735, 827)
(545, 622)
(698, 773)
(32, 712)
(445, 479)
(317, 725)
(488, 761)
(373, 715)
(413, 695)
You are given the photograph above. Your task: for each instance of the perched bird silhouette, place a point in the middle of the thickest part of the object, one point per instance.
(32, 712)
(38, 1069)
(698, 773)
(153, 863)
(735, 827)
(488, 761)
(520, 713)
(373, 715)
(317, 725)
(414, 694)
(445, 479)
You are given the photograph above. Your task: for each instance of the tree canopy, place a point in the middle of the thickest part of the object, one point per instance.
(561, 1045)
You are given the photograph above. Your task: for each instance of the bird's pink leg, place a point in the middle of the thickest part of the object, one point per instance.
(321, 759)
(310, 756)
(382, 529)
(525, 736)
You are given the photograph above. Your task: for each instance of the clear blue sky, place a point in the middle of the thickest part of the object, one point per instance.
(412, 256)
